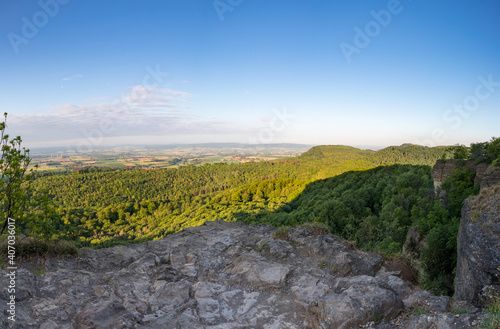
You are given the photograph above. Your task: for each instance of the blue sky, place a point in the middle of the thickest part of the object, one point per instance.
(88, 73)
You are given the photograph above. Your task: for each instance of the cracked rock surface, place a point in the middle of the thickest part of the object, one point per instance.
(228, 275)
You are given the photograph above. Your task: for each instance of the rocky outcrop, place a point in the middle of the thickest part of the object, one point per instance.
(478, 259)
(229, 275)
(478, 243)
(443, 169)
(491, 177)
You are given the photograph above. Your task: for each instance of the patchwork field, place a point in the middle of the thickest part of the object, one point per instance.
(152, 157)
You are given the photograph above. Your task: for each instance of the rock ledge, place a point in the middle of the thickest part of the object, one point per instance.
(229, 275)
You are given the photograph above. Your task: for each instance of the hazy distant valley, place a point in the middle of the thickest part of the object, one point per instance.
(159, 156)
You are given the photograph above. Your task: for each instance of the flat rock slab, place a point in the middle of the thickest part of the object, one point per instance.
(220, 276)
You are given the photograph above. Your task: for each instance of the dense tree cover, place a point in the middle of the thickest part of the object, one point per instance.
(375, 207)
(408, 154)
(99, 205)
(440, 256)
(442, 223)
(485, 152)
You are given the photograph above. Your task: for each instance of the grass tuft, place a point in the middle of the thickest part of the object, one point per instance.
(262, 246)
(492, 321)
(39, 272)
(460, 310)
(486, 202)
(419, 311)
(282, 233)
(377, 316)
(34, 248)
(414, 265)
(316, 228)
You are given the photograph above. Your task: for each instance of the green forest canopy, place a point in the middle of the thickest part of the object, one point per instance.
(98, 206)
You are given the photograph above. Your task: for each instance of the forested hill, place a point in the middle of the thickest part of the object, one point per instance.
(408, 153)
(98, 205)
(330, 160)
(404, 154)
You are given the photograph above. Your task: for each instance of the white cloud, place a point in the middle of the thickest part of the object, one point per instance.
(142, 112)
(76, 76)
(142, 96)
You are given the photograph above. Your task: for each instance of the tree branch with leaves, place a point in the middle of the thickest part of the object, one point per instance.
(14, 177)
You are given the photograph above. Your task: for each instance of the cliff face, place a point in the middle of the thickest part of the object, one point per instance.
(478, 242)
(478, 259)
(443, 169)
(491, 177)
(228, 275)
